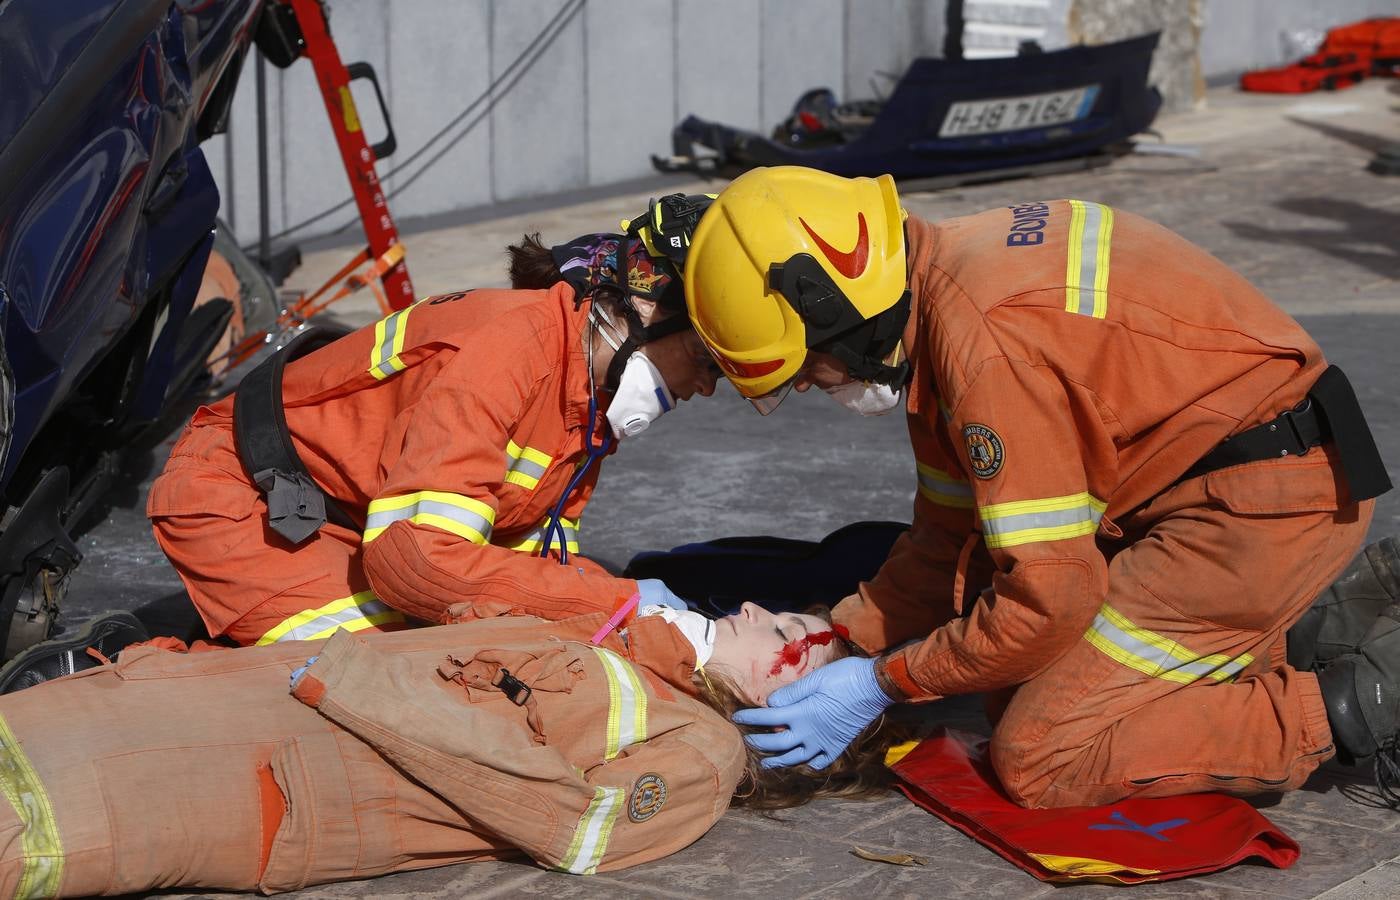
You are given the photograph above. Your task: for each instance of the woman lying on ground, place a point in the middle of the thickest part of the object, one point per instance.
(396, 751)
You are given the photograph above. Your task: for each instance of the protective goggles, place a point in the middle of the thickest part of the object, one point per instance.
(770, 401)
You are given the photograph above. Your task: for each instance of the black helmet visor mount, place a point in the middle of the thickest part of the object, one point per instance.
(835, 326)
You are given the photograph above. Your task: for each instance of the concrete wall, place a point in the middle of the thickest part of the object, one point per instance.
(1175, 63)
(604, 96)
(620, 73)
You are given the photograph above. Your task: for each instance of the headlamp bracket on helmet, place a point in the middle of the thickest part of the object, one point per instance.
(669, 225)
(835, 326)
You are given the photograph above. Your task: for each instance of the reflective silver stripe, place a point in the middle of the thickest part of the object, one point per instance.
(1086, 270)
(533, 540)
(454, 513)
(1230, 669)
(627, 704)
(388, 344)
(354, 613)
(595, 826)
(939, 487)
(1047, 519)
(1156, 656)
(527, 465)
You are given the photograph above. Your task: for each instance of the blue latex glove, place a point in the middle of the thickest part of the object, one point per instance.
(822, 712)
(655, 593)
(301, 670)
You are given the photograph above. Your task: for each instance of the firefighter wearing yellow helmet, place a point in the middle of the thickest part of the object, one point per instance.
(794, 259)
(1088, 547)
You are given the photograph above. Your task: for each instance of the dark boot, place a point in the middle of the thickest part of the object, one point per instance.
(1362, 690)
(1340, 617)
(67, 654)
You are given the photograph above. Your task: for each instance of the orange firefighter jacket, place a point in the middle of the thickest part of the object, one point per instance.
(1072, 362)
(396, 752)
(450, 428)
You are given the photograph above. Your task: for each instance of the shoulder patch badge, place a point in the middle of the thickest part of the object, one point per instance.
(648, 796)
(984, 450)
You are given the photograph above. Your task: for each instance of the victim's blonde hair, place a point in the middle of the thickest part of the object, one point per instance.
(858, 773)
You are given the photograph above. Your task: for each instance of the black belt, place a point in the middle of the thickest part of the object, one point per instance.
(1330, 413)
(296, 505)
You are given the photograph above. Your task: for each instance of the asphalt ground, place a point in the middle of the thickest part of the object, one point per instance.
(1278, 190)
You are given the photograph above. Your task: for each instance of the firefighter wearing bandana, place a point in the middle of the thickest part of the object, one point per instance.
(1135, 474)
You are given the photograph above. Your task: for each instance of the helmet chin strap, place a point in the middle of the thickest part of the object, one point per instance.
(865, 349)
(638, 336)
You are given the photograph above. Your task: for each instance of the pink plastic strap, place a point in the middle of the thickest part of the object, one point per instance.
(616, 618)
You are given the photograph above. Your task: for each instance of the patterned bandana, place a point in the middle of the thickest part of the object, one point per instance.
(589, 262)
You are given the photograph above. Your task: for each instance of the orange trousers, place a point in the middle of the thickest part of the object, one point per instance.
(1181, 684)
(246, 581)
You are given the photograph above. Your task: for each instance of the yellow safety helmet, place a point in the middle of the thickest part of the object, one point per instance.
(790, 258)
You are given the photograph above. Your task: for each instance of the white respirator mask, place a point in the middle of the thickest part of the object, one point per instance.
(640, 399)
(869, 398)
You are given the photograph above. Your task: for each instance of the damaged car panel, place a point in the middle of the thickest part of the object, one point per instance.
(948, 117)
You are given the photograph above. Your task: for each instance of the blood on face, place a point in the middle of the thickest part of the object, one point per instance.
(795, 651)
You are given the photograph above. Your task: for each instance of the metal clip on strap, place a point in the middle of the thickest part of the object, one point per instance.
(1330, 413)
(1292, 433)
(516, 691)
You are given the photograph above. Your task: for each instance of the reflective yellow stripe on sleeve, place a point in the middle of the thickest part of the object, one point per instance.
(627, 704)
(1157, 656)
(937, 486)
(454, 513)
(41, 874)
(388, 344)
(626, 725)
(534, 540)
(354, 613)
(1086, 271)
(526, 465)
(594, 829)
(1035, 521)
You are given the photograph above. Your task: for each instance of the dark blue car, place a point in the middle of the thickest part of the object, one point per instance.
(107, 217)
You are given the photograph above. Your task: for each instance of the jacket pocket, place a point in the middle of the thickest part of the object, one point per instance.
(339, 822)
(183, 816)
(1300, 484)
(515, 676)
(196, 489)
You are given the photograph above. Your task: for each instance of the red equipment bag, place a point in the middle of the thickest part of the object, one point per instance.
(1348, 54)
(1127, 842)
(1375, 39)
(1328, 71)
